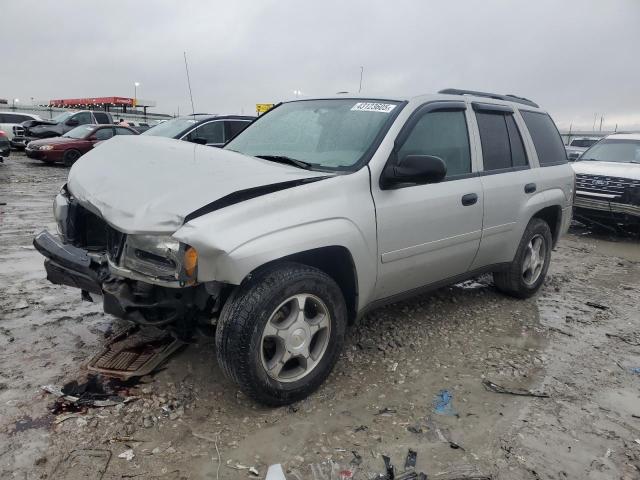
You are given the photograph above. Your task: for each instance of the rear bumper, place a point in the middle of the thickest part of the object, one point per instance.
(69, 265)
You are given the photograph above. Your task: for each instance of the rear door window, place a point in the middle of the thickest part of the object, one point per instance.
(101, 117)
(502, 146)
(83, 118)
(104, 133)
(212, 132)
(546, 138)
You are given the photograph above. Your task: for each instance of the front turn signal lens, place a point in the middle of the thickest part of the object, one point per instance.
(190, 261)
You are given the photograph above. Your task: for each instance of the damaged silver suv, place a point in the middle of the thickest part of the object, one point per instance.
(319, 211)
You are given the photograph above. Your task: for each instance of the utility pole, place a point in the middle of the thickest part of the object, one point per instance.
(601, 119)
(361, 73)
(595, 116)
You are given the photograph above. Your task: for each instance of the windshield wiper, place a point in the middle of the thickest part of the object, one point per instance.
(286, 160)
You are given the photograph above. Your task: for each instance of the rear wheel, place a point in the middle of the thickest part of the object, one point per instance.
(70, 157)
(526, 274)
(280, 334)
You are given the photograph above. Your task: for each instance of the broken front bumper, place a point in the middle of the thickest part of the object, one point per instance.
(69, 265)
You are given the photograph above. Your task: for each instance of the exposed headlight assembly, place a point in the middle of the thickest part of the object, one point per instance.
(45, 147)
(161, 256)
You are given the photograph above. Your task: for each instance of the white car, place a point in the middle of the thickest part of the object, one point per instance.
(317, 212)
(10, 123)
(608, 182)
(578, 146)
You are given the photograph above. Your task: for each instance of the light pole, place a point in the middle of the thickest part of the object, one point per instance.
(135, 93)
(15, 100)
(297, 93)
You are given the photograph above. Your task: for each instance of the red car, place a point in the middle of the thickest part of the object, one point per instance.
(72, 145)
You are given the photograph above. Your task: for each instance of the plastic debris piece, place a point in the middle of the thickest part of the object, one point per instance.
(357, 458)
(275, 473)
(410, 462)
(494, 387)
(597, 306)
(386, 412)
(636, 370)
(127, 455)
(442, 403)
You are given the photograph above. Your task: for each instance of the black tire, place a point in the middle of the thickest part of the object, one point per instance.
(243, 320)
(70, 157)
(512, 280)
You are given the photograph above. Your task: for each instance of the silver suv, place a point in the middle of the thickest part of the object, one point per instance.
(318, 212)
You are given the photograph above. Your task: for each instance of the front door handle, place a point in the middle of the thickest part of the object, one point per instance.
(469, 199)
(530, 188)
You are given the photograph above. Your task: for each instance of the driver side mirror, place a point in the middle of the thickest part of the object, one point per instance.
(417, 169)
(199, 140)
(73, 122)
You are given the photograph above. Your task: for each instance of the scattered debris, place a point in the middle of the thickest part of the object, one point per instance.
(559, 330)
(127, 455)
(494, 387)
(275, 473)
(386, 412)
(623, 338)
(596, 306)
(252, 470)
(442, 403)
(83, 463)
(409, 470)
(410, 461)
(95, 392)
(357, 458)
(417, 429)
(636, 370)
(361, 428)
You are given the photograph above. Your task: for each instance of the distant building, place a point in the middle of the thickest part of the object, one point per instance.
(108, 104)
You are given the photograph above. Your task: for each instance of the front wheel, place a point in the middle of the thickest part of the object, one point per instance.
(280, 333)
(70, 157)
(526, 273)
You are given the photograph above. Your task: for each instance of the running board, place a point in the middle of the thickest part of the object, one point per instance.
(134, 352)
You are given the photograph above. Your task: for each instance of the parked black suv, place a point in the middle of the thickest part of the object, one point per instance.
(61, 124)
(202, 128)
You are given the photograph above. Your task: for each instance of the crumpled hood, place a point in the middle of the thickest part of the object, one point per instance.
(147, 184)
(608, 169)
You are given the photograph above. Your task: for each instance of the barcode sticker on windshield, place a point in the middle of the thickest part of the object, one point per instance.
(373, 107)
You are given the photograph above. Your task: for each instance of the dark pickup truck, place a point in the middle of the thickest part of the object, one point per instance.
(59, 125)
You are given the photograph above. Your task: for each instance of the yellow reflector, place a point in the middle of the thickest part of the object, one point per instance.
(190, 261)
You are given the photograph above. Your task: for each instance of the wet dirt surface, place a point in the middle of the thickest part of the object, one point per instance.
(410, 377)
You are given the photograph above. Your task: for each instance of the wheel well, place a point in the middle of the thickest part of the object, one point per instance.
(336, 262)
(552, 215)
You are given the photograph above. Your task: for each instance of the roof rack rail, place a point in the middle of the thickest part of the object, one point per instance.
(497, 96)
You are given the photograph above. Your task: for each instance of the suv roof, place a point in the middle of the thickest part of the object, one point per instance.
(624, 136)
(442, 94)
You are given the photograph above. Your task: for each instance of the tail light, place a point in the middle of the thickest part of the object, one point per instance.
(2, 133)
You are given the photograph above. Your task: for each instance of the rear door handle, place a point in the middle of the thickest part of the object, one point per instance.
(530, 188)
(469, 199)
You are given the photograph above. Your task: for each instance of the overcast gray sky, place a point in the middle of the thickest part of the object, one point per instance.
(575, 58)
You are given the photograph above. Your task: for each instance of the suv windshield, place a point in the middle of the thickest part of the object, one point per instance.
(610, 150)
(328, 134)
(171, 128)
(79, 132)
(62, 117)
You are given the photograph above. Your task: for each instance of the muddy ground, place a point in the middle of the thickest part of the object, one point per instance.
(190, 422)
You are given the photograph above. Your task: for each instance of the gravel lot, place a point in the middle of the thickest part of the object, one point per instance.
(190, 422)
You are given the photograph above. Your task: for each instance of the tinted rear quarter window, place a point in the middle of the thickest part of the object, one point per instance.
(101, 117)
(546, 138)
